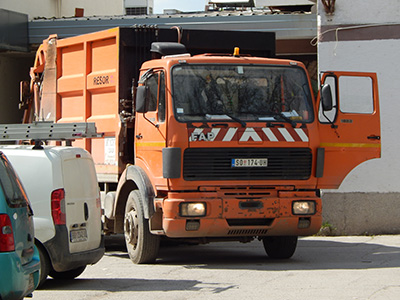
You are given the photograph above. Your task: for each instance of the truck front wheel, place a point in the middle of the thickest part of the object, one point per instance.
(280, 247)
(142, 246)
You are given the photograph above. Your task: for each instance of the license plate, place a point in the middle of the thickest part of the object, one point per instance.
(249, 162)
(78, 235)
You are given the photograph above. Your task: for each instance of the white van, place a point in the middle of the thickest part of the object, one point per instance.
(62, 186)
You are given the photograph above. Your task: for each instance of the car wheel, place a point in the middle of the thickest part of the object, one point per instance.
(71, 274)
(280, 247)
(142, 246)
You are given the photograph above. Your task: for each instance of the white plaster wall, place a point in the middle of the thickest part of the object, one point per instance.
(139, 3)
(362, 12)
(93, 7)
(36, 8)
(380, 56)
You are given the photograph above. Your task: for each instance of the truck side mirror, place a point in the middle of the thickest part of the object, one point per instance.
(141, 99)
(326, 97)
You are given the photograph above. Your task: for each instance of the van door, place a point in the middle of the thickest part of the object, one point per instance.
(349, 130)
(82, 201)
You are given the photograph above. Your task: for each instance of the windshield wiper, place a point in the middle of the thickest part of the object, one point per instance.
(285, 118)
(241, 122)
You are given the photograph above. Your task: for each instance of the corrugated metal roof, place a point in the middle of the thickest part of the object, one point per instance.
(266, 3)
(228, 1)
(286, 26)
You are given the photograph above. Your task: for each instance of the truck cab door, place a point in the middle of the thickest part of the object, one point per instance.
(349, 126)
(150, 127)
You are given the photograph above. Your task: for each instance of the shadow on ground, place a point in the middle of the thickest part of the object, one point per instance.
(311, 254)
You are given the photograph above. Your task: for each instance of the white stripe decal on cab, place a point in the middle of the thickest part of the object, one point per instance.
(286, 135)
(248, 134)
(300, 132)
(271, 136)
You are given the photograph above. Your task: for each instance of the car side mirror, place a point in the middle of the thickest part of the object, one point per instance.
(326, 97)
(141, 99)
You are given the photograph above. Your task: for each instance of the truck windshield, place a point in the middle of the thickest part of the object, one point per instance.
(241, 93)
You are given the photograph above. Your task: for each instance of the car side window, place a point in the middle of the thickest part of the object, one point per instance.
(11, 185)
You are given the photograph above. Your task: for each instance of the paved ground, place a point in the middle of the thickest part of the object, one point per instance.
(322, 268)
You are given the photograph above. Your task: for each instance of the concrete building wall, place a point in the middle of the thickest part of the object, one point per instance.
(359, 36)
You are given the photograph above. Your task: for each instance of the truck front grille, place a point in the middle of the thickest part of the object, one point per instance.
(215, 164)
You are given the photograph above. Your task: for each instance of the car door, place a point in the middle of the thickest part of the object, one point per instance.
(349, 132)
(20, 210)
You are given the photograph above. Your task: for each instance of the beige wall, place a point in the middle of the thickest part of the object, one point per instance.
(64, 8)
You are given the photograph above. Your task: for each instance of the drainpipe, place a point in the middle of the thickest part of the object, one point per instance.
(58, 8)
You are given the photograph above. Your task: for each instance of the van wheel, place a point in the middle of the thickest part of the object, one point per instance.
(44, 264)
(280, 247)
(71, 274)
(142, 246)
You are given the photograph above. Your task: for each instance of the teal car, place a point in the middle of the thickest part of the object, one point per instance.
(19, 257)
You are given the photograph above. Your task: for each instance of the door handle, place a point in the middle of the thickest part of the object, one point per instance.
(139, 136)
(374, 137)
(86, 211)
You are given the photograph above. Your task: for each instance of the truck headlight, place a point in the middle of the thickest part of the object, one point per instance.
(303, 207)
(192, 209)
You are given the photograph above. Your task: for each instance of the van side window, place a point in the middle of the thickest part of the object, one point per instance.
(11, 185)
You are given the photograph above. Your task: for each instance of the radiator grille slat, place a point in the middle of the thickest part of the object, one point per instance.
(215, 164)
(244, 232)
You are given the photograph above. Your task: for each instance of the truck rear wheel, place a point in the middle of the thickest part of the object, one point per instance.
(280, 247)
(142, 246)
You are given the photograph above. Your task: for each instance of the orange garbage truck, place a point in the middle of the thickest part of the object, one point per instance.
(219, 146)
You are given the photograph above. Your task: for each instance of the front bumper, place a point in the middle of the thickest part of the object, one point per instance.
(241, 214)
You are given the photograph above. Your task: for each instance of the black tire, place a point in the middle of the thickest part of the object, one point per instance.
(71, 274)
(280, 247)
(45, 265)
(142, 246)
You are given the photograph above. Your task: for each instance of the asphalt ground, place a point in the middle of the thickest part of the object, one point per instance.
(359, 267)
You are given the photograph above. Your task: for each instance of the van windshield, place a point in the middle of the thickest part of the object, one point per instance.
(245, 93)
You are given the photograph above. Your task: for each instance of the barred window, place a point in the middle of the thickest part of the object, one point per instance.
(133, 11)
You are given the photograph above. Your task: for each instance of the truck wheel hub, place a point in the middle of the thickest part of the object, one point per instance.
(131, 228)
